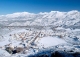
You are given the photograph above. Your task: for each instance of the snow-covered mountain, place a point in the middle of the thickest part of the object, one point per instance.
(55, 18)
(47, 34)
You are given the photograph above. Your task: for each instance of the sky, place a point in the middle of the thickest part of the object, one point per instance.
(36, 6)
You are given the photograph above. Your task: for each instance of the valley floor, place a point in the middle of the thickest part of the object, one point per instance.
(43, 42)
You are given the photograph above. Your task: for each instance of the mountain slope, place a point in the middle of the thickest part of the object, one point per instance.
(55, 18)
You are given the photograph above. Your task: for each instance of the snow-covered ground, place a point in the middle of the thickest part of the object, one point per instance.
(50, 41)
(35, 40)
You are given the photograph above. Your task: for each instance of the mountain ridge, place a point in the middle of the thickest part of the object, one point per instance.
(43, 18)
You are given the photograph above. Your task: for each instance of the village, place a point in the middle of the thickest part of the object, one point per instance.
(29, 38)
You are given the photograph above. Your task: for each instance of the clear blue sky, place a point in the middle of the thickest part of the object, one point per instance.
(36, 6)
